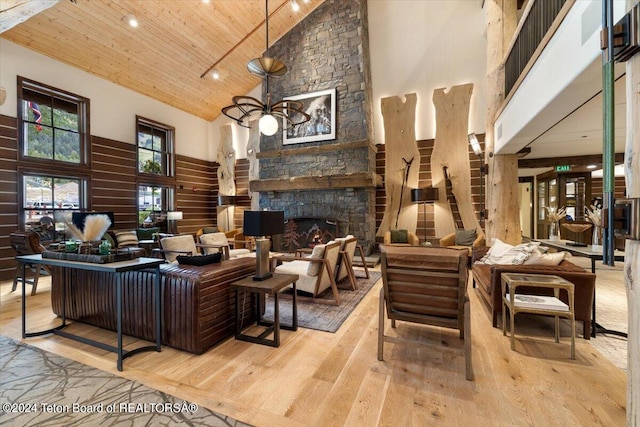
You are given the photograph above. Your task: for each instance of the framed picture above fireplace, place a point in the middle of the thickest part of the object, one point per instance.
(321, 106)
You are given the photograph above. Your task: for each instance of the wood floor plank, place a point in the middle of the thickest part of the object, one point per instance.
(323, 379)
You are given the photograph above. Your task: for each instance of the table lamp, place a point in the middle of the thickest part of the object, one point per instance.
(173, 217)
(261, 224)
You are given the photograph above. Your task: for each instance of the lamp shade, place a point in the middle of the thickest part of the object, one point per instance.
(174, 215)
(424, 195)
(475, 144)
(263, 223)
(225, 200)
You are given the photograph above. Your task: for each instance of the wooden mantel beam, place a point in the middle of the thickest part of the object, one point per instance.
(324, 182)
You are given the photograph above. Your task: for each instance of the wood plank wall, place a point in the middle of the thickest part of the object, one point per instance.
(243, 202)
(426, 222)
(113, 163)
(8, 193)
(112, 188)
(196, 193)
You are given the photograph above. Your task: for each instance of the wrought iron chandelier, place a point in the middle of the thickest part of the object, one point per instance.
(244, 107)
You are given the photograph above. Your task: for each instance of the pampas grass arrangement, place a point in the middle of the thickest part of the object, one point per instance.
(94, 228)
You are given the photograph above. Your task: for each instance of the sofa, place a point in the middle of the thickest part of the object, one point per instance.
(487, 280)
(198, 306)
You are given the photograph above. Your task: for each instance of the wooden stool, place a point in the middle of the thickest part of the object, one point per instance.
(537, 304)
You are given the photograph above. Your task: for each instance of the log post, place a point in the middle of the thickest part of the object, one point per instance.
(402, 163)
(253, 148)
(632, 247)
(502, 198)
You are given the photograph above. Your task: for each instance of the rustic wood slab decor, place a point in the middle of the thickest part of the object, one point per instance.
(451, 151)
(402, 163)
(226, 174)
(253, 148)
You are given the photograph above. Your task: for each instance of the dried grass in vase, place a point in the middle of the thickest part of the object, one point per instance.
(554, 215)
(594, 215)
(94, 228)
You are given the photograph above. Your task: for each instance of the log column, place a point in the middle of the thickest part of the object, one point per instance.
(502, 199)
(632, 247)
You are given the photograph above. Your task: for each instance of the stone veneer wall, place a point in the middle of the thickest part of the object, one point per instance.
(329, 49)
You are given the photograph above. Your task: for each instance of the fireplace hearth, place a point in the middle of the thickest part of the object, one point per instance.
(300, 233)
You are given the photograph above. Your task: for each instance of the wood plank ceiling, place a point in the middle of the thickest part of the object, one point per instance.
(175, 43)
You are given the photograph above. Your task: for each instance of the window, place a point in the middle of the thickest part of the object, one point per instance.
(53, 163)
(48, 203)
(53, 124)
(155, 148)
(153, 204)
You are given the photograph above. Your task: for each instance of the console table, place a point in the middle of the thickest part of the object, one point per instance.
(114, 267)
(593, 255)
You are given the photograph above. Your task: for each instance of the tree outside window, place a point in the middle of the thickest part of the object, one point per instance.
(155, 148)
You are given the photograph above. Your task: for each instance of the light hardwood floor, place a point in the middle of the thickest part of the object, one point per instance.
(323, 379)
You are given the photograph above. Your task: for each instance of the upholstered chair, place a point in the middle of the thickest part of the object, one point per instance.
(28, 243)
(463, 239)
(216, 242)
(401, 238)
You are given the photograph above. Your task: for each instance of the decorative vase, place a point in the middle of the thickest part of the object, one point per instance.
(554, 231)
(595, 241)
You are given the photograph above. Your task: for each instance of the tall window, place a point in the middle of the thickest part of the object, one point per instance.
(53, 161)
(155, 148)
(53, 123)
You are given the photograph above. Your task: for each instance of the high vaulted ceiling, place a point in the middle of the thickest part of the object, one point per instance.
(176, 42)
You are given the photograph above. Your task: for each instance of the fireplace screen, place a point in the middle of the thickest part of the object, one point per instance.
(305, 233)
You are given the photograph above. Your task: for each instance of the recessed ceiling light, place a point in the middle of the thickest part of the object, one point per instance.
(592, 166)
(215, 75)
(132, 20)
(295, 6)
(206, 1)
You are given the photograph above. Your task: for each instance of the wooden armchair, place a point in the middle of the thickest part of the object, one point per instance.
(316, 272)
(344, 268)
(428, 286)
(28, 243)
(450, 241)
(171, 247)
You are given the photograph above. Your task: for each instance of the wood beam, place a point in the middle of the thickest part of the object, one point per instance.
(14, 12)
(579, 160)
(326, 182)
(304, 151)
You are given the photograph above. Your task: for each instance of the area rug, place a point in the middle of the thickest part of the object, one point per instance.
(38, 388)
(325, 317)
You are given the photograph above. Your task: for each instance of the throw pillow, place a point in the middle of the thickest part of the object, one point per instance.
(314, 267)
(199, 259)
(399, 236)
(551, 259)
(126, 238)
(465, 237)
(506, 254)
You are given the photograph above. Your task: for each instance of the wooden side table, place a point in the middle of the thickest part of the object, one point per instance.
(270, 286)
(537, 304)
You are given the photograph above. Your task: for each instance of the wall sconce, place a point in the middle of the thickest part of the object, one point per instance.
(484, 169)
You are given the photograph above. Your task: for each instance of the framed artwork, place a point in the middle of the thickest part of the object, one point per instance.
(321, 106)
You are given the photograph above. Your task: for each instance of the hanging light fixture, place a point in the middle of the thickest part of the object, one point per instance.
(244, 107)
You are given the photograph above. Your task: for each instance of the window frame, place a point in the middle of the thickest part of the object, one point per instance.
(84, 119)
(84, 190)
(167, 152)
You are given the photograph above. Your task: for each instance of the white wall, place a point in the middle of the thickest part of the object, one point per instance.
(420, 46)
(113, 108)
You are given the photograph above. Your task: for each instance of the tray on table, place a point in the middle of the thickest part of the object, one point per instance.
(94, 258)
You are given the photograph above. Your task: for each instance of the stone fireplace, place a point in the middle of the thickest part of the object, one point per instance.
(332, 179)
